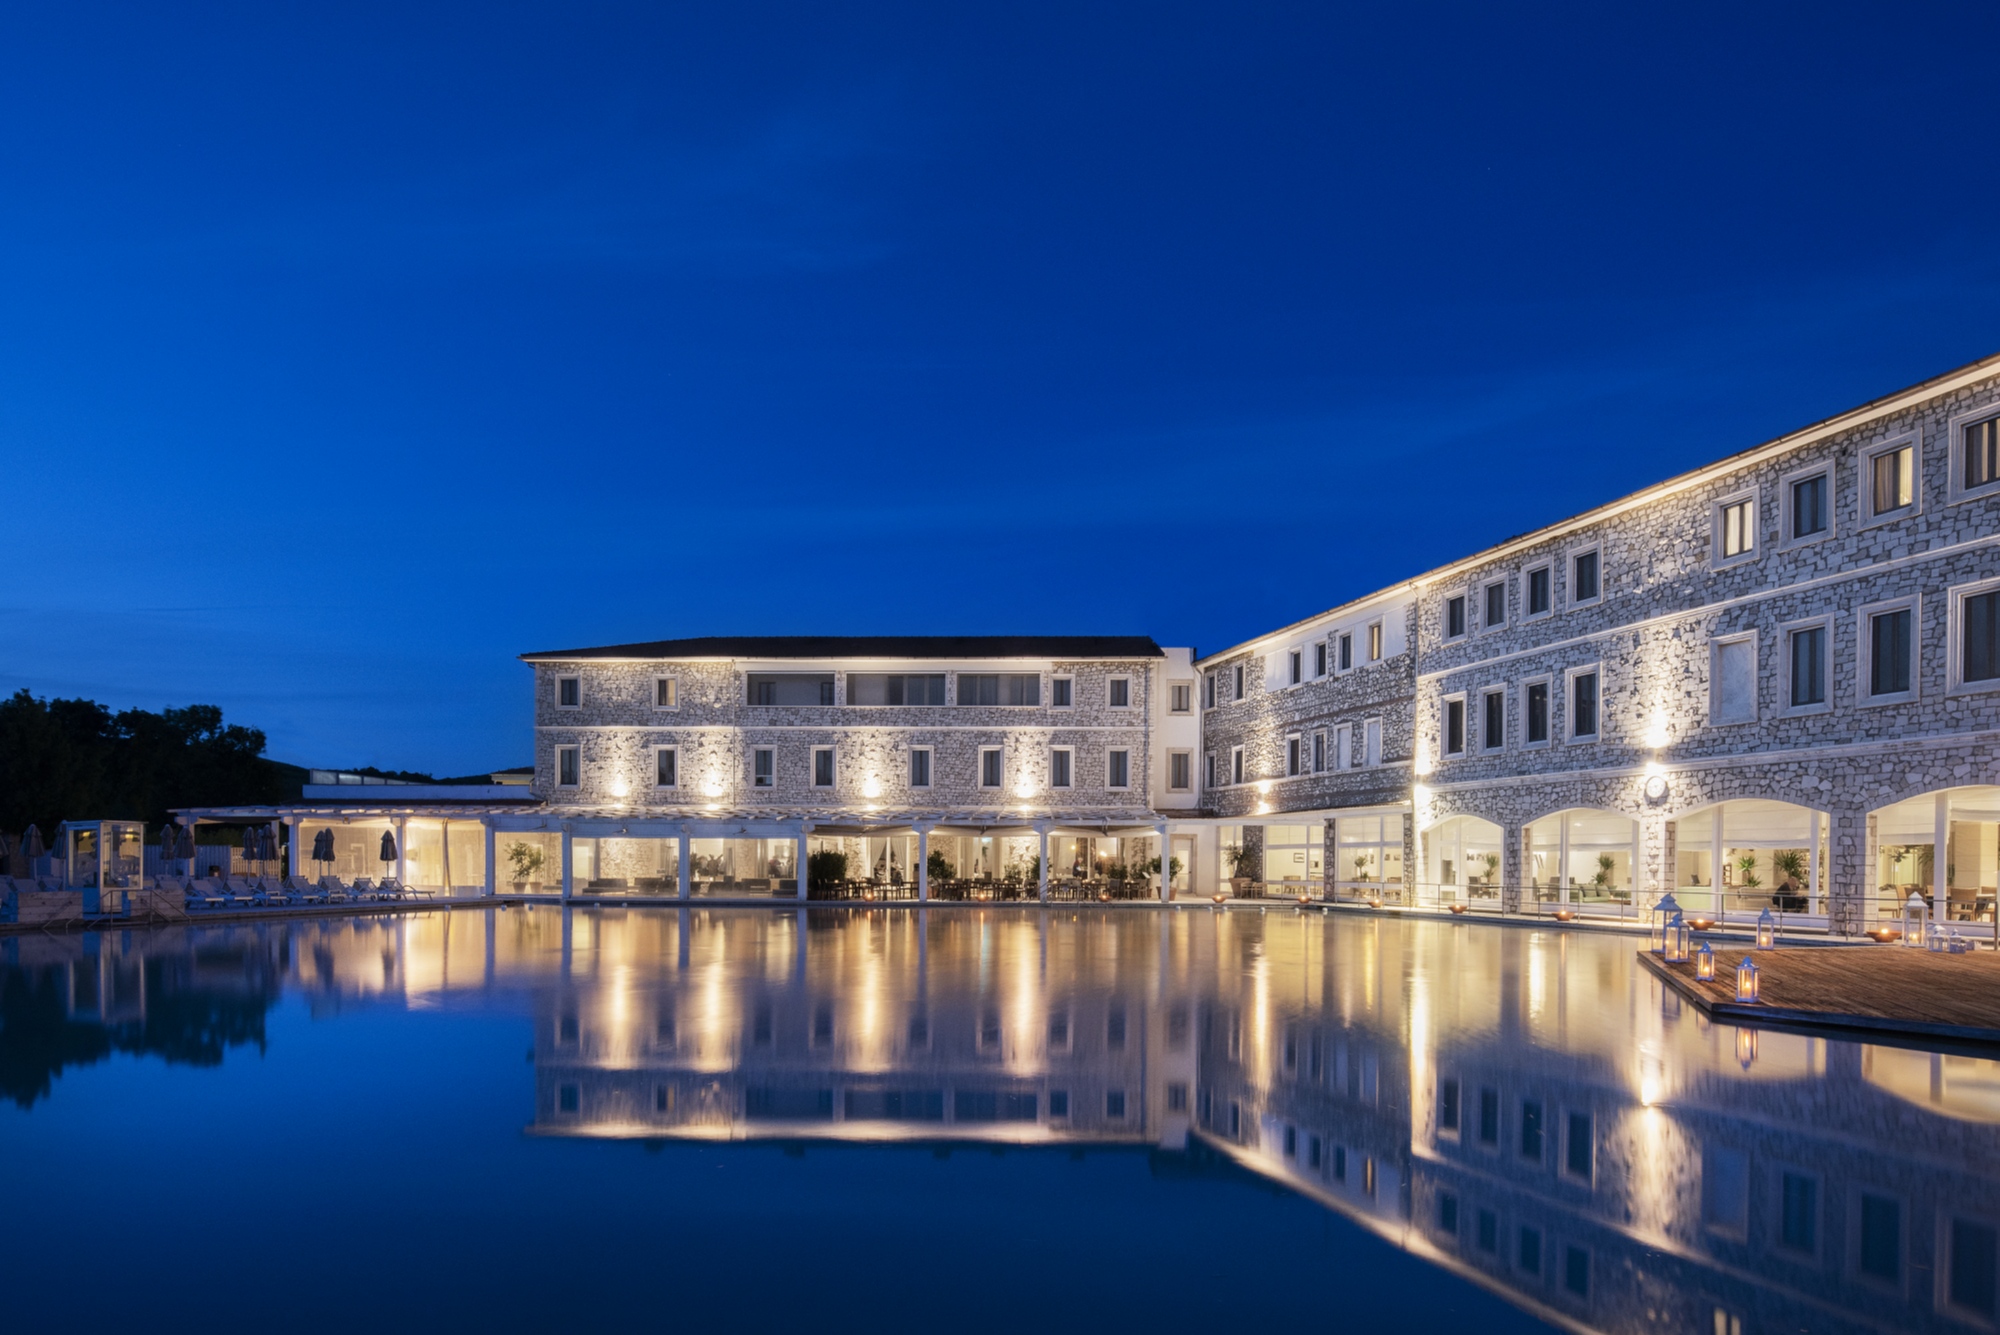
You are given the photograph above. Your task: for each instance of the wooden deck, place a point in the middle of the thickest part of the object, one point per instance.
(1887, 989)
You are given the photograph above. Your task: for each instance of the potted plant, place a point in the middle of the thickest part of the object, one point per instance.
(526, 860)
(1242, 867)
(1746, 867)
(825, 869)
(938, 867)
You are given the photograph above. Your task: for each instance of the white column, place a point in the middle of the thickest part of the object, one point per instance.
(402, 850)
(492, 847)
(685, 888)
(805, 828)
(1042, 867)
(1562, 860)
(566, 863)
(292, 848)
(1166, 863)
(444, 853)
(1812, 864)
(1715, 861)
(923, 864)
(1940, 891)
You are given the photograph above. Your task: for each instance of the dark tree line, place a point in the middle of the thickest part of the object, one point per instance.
(76, 760)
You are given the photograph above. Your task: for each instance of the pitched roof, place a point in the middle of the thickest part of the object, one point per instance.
(870, 646)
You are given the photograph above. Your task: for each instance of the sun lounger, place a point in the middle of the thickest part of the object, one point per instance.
(202, 893)
(306, 891)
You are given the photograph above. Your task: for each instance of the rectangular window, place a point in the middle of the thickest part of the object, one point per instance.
(667, 768)
(1119, 692)
(569, 693)
(1375, 643)
(822, 767)
(790, 688)
(1448, 1106)
(1237, 693)
(1531, 1130)
(1291, 757)
(1493, 728)
(1577, 1157)
(989, 766)
(1979, 620)
(1343, 747)
(1798, 1215)
(1889, 652)
(895, 688)
(1530, 1255)
(1538, 591)
(1487, 1231)
(1809, 666)
(1180, 771)
(1496, 604)
(1454, 617)
(1118, 769)
(1538, 712)
(1447, 1213)
(1893, 477)
(1059, 767)
(1062, 692)
(1583, 578)
(1346, 652)
(1583, 705)
(1319, 659)
(1725, 1189)
(1973, 1267)
(1005, 688)
(1733, 683)
(920, 767)
(1114, 1103)
(1208, 770)
(1208, 690)
(1372, 740)
(1738, 524)
(763, 766)
(1295, 664)
(1489, 1117)
(666, 693)
(1809, 509)
(1319, 753)
(1179, 696)
(1982, 453)
(569, 765)
(1340, 1163)
(1881, 1240)
(1236, 764)
(1576, 1271)
(1454, 727)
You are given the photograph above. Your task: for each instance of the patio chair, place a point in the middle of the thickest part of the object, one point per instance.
(363, 887)
(202, 893)
(335, 889)
(305, 890)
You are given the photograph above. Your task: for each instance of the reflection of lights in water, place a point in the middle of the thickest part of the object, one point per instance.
(1746, 1048)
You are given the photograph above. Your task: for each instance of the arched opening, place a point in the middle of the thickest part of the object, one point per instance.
(1749, 855)
(1959, 887)
(1585, 859)
(1462, 863)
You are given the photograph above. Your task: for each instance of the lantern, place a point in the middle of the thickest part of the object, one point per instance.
(1767, 931)
(1746, 1047)
(1704, 964)
(1915, 916)
(1749, 983)
(1934, 941)
(1663, 912)
(1677, 940)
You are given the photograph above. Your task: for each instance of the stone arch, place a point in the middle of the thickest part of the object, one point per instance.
(1739, 856)
(1586, 857)
(1903, 847)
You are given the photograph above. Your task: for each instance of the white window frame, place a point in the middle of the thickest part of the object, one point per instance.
(1322, 757)
(675, 751)
(1570, 735)
(1295, 755)
(1295, 666)
(1322, 660)
(1000, 751)
(1178, 691)
(1570, 558)
(1236, 773)
(1188, 756)
(1527, 581)
(1062, 676)
(1109, 752)
(833, 768)
(1486, 744)
(1505, 592)
(930, 769)
(1208, 772)
(1716, 509)
(1343, 746)
(1823, 622)
(1109, 683)
(1445, 703)
(1069, 751)
(752, 757)
(577, 749)
(1955, 637)
(673, 684)
(1955, 489)
(1236, 683)
(1715, 646)
(1378, 640)
(1864, 647)
(1371, 742)
(1788, 539)
(1444, 617)
(576, 677)
(1870, 516)
(1543, 679)
(1208, 689)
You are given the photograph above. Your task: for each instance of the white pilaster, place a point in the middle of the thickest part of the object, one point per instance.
(685, 888)
(1166, 862)
(567, 863)
(1940, 888)
(492, 847)
(805, 828)
(923, 864)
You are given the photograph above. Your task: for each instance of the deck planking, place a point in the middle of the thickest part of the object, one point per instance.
(1884, 988)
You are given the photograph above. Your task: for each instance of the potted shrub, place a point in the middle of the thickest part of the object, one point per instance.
(526, 861)
(1242, 868)
(825, 868)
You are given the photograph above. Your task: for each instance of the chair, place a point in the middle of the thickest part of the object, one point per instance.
(202, 893)
(307, 891)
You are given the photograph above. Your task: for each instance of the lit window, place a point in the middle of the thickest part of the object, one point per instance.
(1375, 643)
(666, 693)
(1738, 522)
(1982, 453)
(1893, 474)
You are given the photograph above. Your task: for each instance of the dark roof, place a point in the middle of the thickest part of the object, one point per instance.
(872, 646)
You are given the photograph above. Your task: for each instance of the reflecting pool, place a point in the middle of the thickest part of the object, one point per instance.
(982, 1120)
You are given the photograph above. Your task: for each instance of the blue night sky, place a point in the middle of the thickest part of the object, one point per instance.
(346, 353)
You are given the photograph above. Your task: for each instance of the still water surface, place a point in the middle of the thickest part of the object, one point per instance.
(526, 1119)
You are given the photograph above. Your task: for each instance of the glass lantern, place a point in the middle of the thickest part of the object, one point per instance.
(1916, 915)
(1746, 1048)
(1704, 963)
(1749, 982)
(1678, 938)
(1664, 912)
(1767, 931)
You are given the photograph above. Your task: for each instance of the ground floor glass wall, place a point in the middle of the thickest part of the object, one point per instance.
(1906, 838)
(1585, 858)
(1462, 862)
(1746, 856)
(1369, 855)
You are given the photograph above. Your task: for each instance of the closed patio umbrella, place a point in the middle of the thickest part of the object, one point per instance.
(187, 843)
(323, 846)
(388, 853)
(31, 843)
